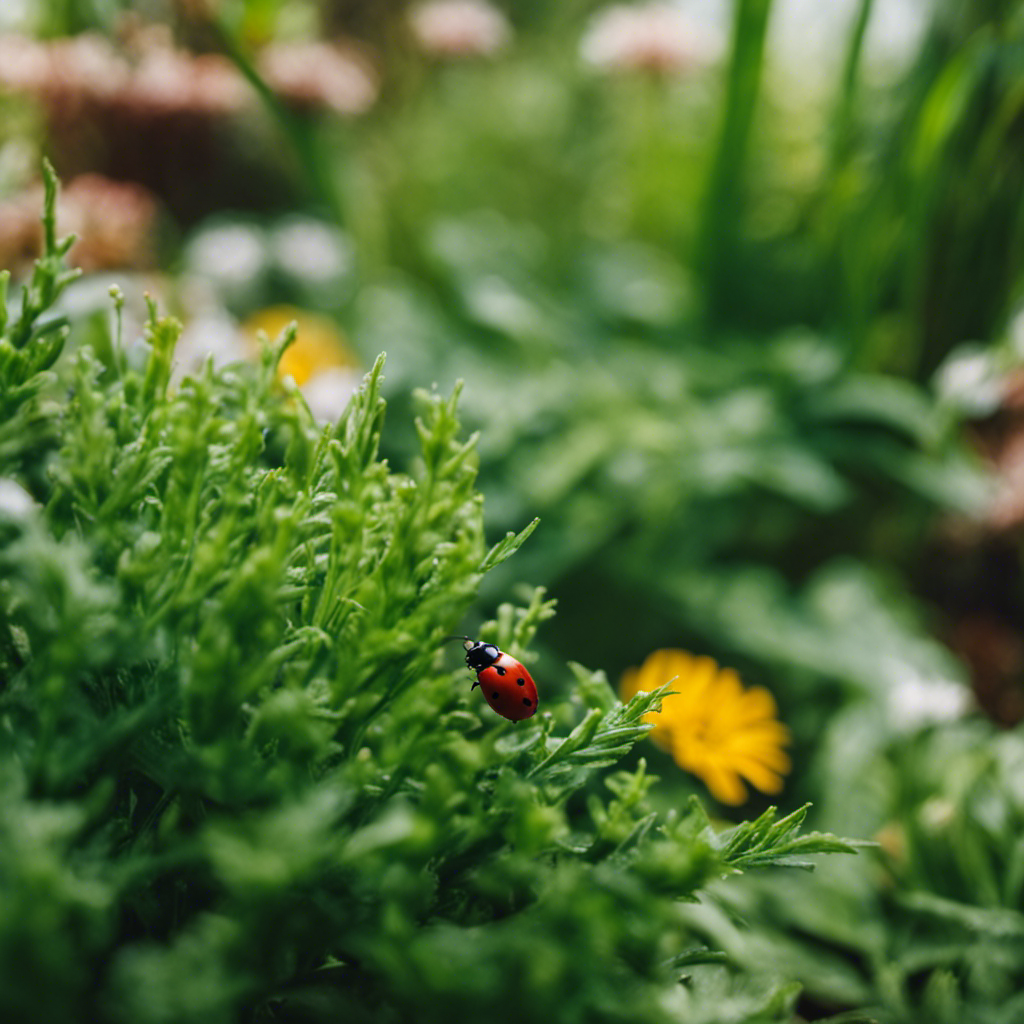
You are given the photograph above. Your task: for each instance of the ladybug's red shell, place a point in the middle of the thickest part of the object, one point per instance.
(508, 688)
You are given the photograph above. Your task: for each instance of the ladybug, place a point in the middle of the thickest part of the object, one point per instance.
(505, 683)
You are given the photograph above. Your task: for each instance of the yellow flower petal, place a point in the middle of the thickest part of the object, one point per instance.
(757, 703)
(696, 677)
(665, 666)
(765, 731)
(729, 691)
(771, 757)
(714, 728)
(725, 785)
(319, 344)
(629, 685)
(757, 774)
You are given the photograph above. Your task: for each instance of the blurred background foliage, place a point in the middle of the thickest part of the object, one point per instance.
(734, 289)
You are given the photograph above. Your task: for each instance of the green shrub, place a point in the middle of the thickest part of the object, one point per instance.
(238, 781)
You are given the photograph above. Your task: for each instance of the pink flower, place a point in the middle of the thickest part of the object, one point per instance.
(170, 79)
(63, 70)
(87, 71)
(650, 37)
(24, 63)
(319, 75)
(459, 28)
(114, 223)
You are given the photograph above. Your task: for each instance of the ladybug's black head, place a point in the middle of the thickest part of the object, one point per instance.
(480, 655)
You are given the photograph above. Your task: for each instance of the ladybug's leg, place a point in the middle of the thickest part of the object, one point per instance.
(474, 686)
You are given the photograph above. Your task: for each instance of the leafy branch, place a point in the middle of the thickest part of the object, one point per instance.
(766, 842)
(601, 739)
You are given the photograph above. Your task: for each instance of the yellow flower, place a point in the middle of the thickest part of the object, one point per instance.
(713, 727)
(319, 344)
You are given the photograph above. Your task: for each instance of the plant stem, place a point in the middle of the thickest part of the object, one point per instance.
(842, 130)
(720, 216)
(301, 132)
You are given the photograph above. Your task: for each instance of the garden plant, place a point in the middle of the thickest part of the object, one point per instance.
(705, 402)
(238, 780)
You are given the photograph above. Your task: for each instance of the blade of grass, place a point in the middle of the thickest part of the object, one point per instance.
(720, 216)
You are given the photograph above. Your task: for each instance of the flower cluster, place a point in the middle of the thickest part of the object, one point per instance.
(319, 76)
(86, 73)
(78, 73)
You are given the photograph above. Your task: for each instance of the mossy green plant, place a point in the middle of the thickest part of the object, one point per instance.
(239, 781)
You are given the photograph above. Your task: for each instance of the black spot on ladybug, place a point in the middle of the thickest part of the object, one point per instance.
(499, 670)
(527, 701)
(495, 695)
(521, 681)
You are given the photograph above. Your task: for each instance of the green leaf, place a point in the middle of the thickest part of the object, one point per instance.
(601, 739)
(766, 842)
(507, 547)
(997, 922)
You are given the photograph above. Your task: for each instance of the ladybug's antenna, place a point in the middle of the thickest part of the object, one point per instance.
(447, 638)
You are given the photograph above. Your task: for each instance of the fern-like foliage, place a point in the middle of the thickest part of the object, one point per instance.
(771, 840)
(237, 781)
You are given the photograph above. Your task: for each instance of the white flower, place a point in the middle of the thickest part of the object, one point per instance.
(311, 251)
(916, 701)
(971, 380)
(209, 335)
(232, 255)
(327, 392)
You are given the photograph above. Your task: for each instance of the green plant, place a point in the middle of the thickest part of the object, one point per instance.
(930, 927)
(237, 780)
